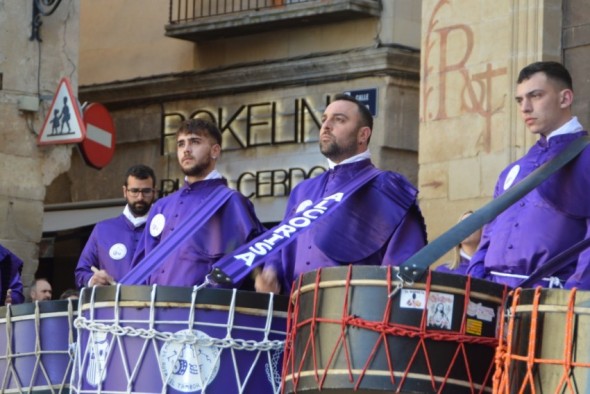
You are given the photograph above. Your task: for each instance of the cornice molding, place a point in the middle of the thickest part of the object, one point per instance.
(392, 61)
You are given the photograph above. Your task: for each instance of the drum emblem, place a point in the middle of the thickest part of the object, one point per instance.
(97, 358)
(189, 367)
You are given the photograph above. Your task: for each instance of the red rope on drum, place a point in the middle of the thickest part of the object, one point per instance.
(385, 329)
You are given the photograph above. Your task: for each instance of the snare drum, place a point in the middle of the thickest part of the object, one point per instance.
(545, 349)
(36, 346)
(141, 339)
(347, 334)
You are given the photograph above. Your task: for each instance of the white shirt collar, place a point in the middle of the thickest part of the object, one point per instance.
(361, 156)
(212, 175)
(464, 255)
(572, 126)
(136, 221)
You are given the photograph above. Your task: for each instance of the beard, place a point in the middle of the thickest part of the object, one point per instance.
(139, 208)
(200, 169)
(335, 152)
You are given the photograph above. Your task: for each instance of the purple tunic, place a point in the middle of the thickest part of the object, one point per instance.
(111, 247)
(380, 224)
(540, 225)
(232, 225)
(10, 269)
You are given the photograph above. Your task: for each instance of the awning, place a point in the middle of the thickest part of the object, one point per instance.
(67, 216)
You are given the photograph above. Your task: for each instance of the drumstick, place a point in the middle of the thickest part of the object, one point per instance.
(95, 270)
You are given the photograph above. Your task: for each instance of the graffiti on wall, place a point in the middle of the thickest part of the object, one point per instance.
(452, 87)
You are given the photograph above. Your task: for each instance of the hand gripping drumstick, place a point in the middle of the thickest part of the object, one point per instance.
(95, 270)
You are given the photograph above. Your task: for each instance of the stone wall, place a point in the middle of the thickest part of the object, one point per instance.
(31, 71)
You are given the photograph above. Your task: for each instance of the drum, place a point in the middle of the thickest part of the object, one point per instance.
(544, 349)
(36, 346)
(347, 334)
(141, 339)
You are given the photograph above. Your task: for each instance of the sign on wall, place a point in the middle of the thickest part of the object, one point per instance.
(63, 122)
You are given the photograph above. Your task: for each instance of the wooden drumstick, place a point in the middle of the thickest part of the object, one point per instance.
(95, 270)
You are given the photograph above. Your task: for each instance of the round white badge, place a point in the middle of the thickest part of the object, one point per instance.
(157, 225)
(512, 174)
(118, 251)
(189, 367)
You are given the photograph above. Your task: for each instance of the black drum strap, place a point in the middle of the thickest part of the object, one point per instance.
(418, 264)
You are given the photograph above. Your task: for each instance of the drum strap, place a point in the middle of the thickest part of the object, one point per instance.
(235, 266)
(418, 264)
(141, 272)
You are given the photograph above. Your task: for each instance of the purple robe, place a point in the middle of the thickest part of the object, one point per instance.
(10, 270)
(111, 247)
(233, 224)
(380, 224)
(545, 222)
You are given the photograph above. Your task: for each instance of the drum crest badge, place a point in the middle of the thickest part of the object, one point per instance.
(189, 367)
(98, 358)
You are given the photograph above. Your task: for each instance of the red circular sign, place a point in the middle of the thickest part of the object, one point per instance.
(98, 147)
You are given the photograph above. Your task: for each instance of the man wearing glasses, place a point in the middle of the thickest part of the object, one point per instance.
(109, 251)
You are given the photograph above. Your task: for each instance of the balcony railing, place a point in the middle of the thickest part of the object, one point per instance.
(198, 19)
(190, 10)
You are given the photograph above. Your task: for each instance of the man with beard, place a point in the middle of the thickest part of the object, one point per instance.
(379, 224)
(213, 219)
(109, 252)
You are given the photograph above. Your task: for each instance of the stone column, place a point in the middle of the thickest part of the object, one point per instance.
(30, 72)
(472, 51)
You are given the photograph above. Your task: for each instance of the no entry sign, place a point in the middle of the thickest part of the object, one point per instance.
(98, 147)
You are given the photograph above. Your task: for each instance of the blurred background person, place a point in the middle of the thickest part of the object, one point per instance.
(41, 290)
(462, 252)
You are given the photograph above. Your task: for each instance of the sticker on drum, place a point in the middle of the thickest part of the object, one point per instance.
(415, 299)
(440, 310)
(189, 367)
(98, 346)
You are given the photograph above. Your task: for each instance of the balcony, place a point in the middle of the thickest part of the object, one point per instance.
(195, 20)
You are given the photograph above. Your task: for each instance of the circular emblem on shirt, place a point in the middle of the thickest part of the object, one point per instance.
(118, 251)
(512, 174)
(157, 225)
(191, 367)
(304, 205)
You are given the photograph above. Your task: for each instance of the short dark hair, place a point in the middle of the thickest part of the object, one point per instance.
(201, 127)
(554, 71)
(140, 171)
(366, 116)
(69, 293)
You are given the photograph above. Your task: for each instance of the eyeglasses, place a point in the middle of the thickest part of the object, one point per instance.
(145, 191)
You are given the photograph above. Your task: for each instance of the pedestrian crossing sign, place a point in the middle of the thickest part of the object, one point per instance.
(63, 123)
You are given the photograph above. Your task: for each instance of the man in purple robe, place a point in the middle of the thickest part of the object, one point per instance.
(109, 252)
(11, 286)
(232, 224)
(379, 224)
(555, 215)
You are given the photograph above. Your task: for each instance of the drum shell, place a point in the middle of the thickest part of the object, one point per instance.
(544, 330)
(169, 312)
(41, 346)
(367, 299)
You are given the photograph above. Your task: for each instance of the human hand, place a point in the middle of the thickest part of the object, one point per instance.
(100, 278)
(8, 297)
(266, 281)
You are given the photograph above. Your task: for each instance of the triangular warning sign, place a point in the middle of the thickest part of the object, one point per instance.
(63, 123)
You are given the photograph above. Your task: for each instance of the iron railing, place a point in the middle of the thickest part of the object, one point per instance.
(182, 11)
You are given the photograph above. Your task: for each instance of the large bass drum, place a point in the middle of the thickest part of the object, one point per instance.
(347, 335)
(544, 348)
(36, 346)
(141, 339)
